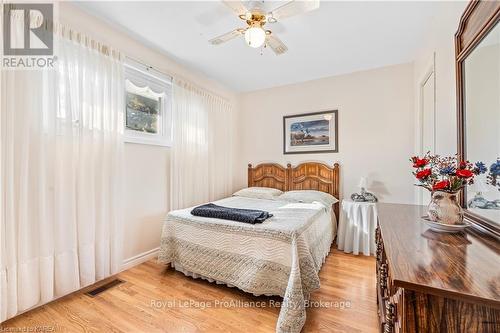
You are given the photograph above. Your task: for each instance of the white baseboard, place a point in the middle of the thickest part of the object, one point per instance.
(140, 258)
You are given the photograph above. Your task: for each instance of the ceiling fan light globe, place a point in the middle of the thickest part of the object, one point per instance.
(255, 37)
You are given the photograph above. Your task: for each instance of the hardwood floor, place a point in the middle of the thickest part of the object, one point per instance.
(155, 300)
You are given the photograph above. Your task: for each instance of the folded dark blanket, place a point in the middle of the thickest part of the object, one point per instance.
(235, 214)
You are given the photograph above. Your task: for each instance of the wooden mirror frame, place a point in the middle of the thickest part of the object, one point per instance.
(478, 19)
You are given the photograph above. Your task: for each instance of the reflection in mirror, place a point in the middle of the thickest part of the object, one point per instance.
(482, 114)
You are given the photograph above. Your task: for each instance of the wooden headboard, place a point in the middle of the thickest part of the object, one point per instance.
(305, 176)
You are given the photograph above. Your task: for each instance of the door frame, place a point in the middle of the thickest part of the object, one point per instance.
(430, 73)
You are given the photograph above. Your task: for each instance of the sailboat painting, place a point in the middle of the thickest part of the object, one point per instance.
(310, 133)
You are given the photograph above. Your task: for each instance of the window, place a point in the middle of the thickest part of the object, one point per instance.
(148, 105)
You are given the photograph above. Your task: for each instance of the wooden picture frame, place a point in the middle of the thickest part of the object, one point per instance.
(308, 133)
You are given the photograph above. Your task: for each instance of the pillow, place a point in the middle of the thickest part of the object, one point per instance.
(259, 193)
(308, 196)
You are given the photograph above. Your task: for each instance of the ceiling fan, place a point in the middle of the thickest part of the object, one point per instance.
(255, 18)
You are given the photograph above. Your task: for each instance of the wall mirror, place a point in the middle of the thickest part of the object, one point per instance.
(478, 92)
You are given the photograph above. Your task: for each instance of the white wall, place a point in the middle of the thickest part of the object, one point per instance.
(439, 40)
(376, 115)
(147, 167)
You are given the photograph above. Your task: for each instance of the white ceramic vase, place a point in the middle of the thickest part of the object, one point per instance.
(444, 208)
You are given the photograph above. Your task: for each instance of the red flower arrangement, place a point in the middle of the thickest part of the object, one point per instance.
(441, 185)
(418, 163)
(423, 174)
(464, 173)
(447, 174)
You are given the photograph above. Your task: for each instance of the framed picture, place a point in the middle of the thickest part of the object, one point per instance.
(311, 133)
(147, 116)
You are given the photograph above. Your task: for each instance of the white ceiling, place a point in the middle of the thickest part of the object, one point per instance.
(338, 38)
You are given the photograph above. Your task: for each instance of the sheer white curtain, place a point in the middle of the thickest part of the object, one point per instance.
(61, 160)
(201, 159)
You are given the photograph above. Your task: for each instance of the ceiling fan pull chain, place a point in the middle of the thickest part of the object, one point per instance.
(262, 48)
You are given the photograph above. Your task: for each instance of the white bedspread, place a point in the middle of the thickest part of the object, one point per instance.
(281, 256)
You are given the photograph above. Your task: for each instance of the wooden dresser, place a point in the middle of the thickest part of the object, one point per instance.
(432, 282)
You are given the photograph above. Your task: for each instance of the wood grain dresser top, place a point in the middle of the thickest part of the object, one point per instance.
(461, 266)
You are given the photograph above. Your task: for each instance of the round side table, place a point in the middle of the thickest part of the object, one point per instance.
(357, 224)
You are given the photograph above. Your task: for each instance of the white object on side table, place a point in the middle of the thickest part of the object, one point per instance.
(356, 233)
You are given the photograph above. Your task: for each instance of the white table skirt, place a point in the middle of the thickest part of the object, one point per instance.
(357, 224)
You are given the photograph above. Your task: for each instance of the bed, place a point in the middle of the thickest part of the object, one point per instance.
(281, 256)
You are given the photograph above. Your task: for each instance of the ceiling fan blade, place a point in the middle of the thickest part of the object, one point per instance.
(236, 6)
(226, 37)
(276, 44)
(292, 8)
